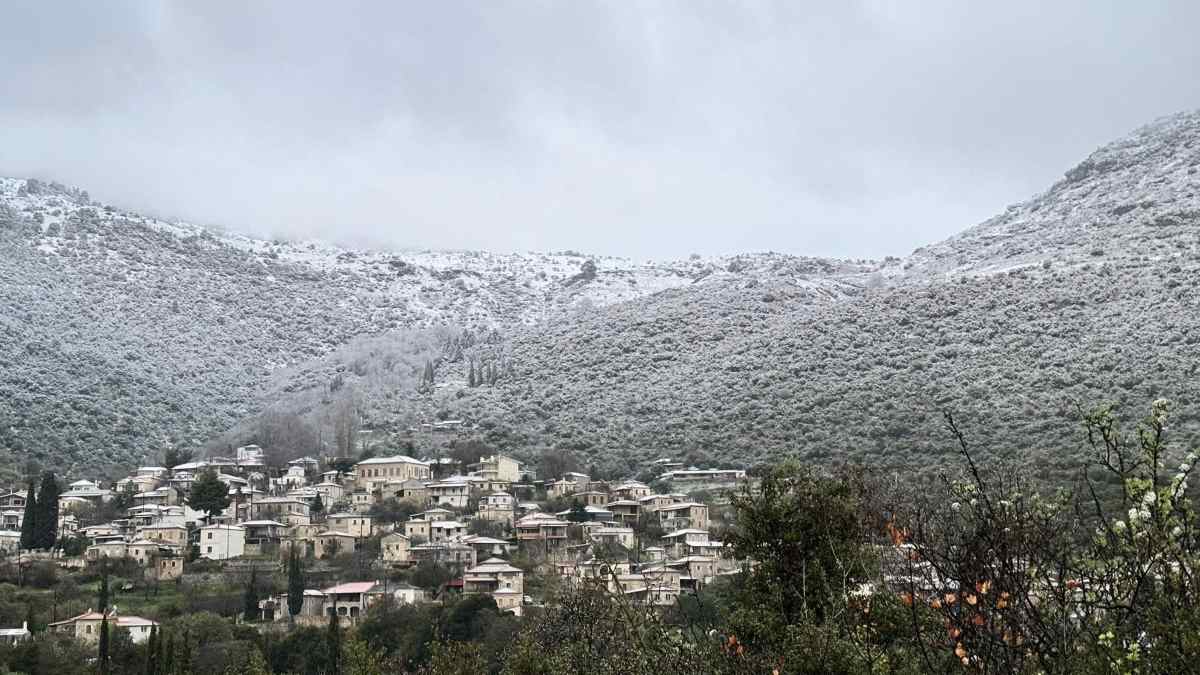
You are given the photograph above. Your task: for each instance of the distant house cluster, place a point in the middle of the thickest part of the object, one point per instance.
(648, 544)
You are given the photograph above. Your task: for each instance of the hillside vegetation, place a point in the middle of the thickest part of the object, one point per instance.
(122, 334)
(1086, 293)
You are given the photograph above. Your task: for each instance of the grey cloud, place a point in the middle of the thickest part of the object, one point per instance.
(636, 128)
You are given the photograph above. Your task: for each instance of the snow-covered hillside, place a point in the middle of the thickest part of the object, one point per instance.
(400, 289)
(1137, 199)
(121, 332)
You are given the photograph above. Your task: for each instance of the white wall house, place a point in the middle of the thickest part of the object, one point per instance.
(221, 542)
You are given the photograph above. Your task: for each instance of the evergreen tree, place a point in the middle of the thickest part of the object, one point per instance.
(103, 655)
(168, 655)
(29, 522)
(184, 662)
(578, 513)
(295, 593)
(471, 375)
(173, 457)
(152, 652)
(334, 642)
(318, 506)
(250, 610)
(102, 600)
(209, 494)
(46, 532)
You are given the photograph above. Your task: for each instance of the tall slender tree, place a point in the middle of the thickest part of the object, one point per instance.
(104, 638)
(250, 610)
(29, 520)
(103, 605)
(295, 594)
(152, 652)
(168, 655)
(46, 532)
(333, 642)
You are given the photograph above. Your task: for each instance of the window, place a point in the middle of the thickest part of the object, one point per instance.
(209, 550)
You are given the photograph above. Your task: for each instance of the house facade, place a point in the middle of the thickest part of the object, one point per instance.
(371, 474)
(222, 542)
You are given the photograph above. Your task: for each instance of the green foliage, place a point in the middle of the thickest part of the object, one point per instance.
(578, 514)
(29, 526)
(47, 653)
(805, 533)
(295, 583)
(359, 659)
(430, 575)
(173, 456)
(333, 642)
(342, 465)
(392, 510)
(103, 648)
(250, 609)
(209, 494)
(400, 633)
(591, 631)
(123, 499)
(303, 651)
(46, 532)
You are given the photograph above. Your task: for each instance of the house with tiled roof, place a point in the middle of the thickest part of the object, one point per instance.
(86, 626)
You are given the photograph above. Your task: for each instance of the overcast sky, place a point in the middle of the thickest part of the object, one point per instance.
(631, 128)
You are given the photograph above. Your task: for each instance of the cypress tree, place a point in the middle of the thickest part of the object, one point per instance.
(295, 595)
(46, 532)
(168, 655)
(334, 643)
(250, 610)
(29, 520)
(152, 652)
(103, 596)
(185, 653)
(103, 656)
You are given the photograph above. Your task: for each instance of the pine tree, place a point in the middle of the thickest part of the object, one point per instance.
(318, 506)
(29, 521)
(295, 594)
(103, 605)
(250, 610)
(471, 375)
(209, 494)
(46, 532)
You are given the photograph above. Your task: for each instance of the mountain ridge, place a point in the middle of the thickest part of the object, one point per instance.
(125, 334)
(122, 334)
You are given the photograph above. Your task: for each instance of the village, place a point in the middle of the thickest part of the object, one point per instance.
(388, 528)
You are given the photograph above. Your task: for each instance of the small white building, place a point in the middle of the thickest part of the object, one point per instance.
(221, 542)
(12, 636)
(10, 541)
